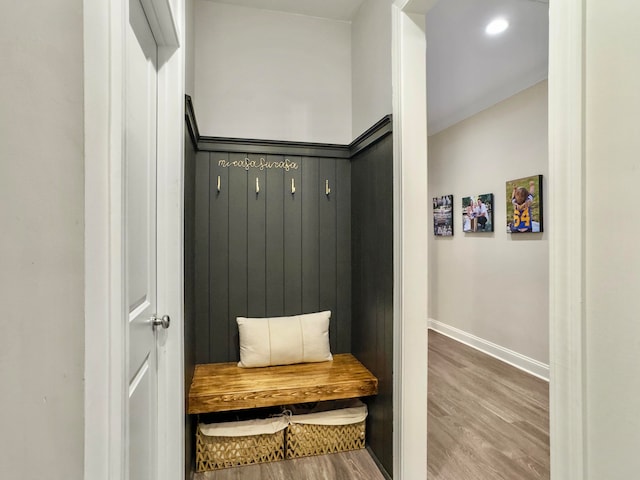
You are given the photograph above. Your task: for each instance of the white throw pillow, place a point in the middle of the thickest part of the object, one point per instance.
(284, 340)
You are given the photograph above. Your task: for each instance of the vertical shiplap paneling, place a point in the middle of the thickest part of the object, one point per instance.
(293, 241)
(343, 254)
(378, 224)
(327, 245)
(201, 252)
(277, 194)
(310, 235)
(219, 258)
(364, 233)
(256, 239)
(238, 188)
(357, 303)
(372, 263)
(386, 225)
(276, 253)
(362, 346)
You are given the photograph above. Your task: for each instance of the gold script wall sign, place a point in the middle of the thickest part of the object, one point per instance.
(260, 164)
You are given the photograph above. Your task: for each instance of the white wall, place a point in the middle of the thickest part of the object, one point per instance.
(270, 75)
(371, 64)
(493, 286)
(42, 240)
(190, 54)
(612, 264)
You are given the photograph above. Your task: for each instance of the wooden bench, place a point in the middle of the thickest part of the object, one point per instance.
(218, 387)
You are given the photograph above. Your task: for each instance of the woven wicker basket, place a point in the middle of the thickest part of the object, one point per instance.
(307, 440)
(214, 453)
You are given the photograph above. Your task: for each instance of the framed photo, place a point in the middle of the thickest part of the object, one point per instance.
(477, 213)
(443, 216)
(524, 205)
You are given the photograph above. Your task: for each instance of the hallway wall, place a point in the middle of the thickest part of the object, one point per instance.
(42, 241)
(493, 285)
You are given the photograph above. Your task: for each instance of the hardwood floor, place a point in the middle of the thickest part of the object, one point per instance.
(486, 419)
(356, 465)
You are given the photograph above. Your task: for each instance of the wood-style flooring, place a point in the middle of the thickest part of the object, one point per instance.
(356, 465)
(486, 419)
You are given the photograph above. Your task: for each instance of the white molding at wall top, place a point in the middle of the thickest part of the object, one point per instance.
(515, 359)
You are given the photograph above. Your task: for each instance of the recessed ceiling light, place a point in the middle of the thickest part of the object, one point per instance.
(496, 26)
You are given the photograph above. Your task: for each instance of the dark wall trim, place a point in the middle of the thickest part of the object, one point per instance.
(377, 132)
(190, 119)
(280, 147)
(272, 147)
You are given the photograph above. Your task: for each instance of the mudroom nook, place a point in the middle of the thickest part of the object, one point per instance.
(275, 229)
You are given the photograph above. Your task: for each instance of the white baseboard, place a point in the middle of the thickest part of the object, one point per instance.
(515, 359)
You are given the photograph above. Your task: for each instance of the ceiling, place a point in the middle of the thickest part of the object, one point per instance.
(467, 71)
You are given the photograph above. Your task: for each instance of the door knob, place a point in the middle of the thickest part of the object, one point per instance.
(163, 321)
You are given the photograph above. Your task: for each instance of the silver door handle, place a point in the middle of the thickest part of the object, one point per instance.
(163, 321)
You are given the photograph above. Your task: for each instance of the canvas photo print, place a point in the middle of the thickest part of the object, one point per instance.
(477, 213)
(524, 205)
(443, 216)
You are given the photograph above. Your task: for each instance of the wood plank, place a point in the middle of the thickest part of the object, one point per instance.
(201, 252)
(256, 240)
(327, 247)
(237, 252)
(219, 259)
(293, 242)
(277, 193)
(343, 255)
(311, 191)
(221, 387)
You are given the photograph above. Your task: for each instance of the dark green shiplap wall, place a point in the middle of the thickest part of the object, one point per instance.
(275, 253)
(272, 252)
(372, 270)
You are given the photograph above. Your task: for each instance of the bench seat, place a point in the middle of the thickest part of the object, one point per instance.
(219, 387)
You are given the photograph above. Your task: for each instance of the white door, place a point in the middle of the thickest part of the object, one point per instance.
(141, 243)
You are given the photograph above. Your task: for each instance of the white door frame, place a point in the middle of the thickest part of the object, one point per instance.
(103, 147)
(410, 238)
(104, 262)
(566, 243)
(566, 239)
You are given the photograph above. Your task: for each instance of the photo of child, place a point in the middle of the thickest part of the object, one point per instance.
(524, 205)
(477, 213)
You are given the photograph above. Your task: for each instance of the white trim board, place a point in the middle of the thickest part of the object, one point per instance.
(515, 359)
(104, 409)
(410, 243)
